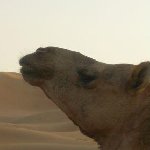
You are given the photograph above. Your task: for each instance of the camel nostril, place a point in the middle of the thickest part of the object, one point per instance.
(46, 50)
(41, 50)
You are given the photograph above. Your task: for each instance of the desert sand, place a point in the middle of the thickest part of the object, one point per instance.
(30, 121)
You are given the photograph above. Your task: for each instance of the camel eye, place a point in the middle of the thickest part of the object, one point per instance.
(86, 77)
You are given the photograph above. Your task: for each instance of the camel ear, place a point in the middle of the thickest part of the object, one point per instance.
(87, 77)
(140, 78)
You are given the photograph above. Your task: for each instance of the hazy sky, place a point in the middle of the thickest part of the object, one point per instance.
(112, 31)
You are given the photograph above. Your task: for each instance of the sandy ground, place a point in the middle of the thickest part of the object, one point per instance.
(30, 121)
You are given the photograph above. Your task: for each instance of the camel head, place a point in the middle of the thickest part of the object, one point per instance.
(99, 98)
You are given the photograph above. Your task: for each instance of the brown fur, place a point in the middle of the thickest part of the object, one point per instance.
(109, 103)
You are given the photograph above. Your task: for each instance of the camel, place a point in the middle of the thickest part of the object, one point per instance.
(108, 102)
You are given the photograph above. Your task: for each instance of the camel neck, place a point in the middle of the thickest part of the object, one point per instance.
(133, 134)
(123, 141)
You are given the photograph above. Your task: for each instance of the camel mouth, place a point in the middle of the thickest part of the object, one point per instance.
(29, 71)
(34, 74)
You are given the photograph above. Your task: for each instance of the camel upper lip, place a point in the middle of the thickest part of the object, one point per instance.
(24, 62)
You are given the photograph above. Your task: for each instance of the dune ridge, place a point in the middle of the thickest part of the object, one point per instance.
(29, 120)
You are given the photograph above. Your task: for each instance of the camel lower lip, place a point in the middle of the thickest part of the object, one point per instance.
(26, 70)
(29, 71)
(32, 76)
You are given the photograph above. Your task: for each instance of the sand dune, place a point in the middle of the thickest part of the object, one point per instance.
(30, 121)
